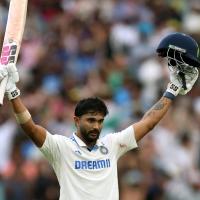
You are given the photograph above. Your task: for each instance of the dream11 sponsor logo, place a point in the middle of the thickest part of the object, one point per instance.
(8, 53)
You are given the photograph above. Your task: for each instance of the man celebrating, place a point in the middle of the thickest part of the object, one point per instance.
(86, 165)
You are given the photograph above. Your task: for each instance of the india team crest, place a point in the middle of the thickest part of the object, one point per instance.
(103, 150)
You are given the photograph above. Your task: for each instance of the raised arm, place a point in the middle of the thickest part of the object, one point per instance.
(22, 115)
(151, 118)
(157, 112)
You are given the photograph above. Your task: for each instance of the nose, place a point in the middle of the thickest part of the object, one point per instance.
(96, 125)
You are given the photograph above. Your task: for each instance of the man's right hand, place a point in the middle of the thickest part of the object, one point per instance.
(11, 72)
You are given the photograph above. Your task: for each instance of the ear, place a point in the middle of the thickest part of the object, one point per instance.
(76, 120)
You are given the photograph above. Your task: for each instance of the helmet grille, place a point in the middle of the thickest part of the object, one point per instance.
(177, 62)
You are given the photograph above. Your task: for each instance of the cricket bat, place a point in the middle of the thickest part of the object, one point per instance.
(13, 37)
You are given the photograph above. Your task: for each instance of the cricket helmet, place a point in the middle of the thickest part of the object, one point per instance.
(179, 47)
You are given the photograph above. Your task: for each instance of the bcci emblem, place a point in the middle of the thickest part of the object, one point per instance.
(103, 150)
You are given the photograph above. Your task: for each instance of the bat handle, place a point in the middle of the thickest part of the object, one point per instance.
(2, 89)
(182, 75)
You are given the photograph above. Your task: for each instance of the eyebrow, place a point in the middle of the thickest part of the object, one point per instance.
(91, 117)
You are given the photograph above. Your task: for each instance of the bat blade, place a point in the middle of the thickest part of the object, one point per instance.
(13, 37)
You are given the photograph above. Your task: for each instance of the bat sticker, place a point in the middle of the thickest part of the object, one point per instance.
(8, 54)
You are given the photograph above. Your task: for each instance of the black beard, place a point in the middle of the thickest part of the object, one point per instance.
(86, 135)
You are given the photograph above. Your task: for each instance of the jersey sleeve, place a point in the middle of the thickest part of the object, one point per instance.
(123, 141)
(50, 148)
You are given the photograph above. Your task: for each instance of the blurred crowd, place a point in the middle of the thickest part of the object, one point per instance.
(73, 49)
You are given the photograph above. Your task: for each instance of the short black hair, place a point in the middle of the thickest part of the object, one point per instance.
(91, 104)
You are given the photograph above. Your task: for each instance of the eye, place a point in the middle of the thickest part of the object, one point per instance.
(101, 121)
(91, 120)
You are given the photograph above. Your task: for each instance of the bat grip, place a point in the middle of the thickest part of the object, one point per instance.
(182, 75)
(2, 89)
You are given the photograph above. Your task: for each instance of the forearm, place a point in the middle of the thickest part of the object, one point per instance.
(151, 118)
(17, 105)
(22, 114)
(34, 131)
(156, 113)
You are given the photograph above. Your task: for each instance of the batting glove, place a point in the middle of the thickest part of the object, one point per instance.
(190, 79)
(174, 87)
(11, 72)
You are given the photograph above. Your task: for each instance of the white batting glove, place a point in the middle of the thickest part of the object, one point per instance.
(3, 72)
(11, 72)
(190, 79)
(174, 87)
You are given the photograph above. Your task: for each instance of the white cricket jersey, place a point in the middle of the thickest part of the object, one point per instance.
(84, 174)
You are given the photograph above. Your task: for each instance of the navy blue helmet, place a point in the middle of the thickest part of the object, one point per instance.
(181, 47)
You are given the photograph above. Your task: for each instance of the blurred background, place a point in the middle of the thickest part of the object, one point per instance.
(79, 48)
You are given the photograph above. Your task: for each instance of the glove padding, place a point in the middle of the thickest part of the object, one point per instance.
(190, 79)
(176, 85)
(11, 72)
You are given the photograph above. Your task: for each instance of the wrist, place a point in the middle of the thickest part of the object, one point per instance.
(172, 91)
(169, 95)
(13, 93)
